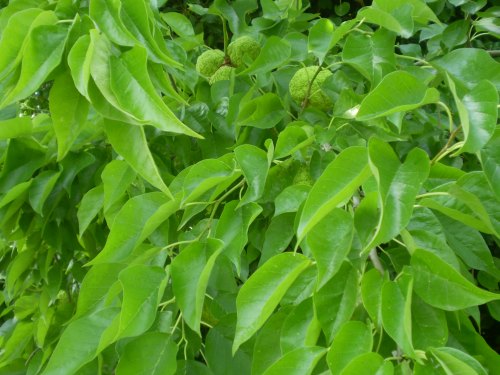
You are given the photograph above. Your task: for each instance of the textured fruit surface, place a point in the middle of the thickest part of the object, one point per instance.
(223, 73)
(209, 61)
(299, 85)
(241, 47)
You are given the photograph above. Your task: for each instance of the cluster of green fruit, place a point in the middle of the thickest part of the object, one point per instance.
(216, 66)
(305, 85)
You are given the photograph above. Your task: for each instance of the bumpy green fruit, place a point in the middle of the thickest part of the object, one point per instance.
(241, 47)
(299, 85)
(223, 73)
(303, 176)
(209, 61)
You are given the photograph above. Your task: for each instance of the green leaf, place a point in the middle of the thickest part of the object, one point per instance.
(262, 112)
(116, 179)
(301, 328)
(330, 242)
(275, 52)
(140, 300)
(398, 91)
(353, 339)
(191, 271)
(179, 23)
(90, 205)
(373, 56)
(441, 286)
(454, 361)
(262, 292)
(336, 184)
(68, 111)
(371, 285)
(290, 199)
(130, 142)
(368, 364)
(336, 301)
(106, 14)
(398, 186)
(291, 139)
(232, 229)
(278, 236)
(79, 62)
(469, 66)
(153, 353)
(127, 227)
(429, 327)
(320, 38)
(42, 186)
(253, 162)
(133, 90)
(481, 106)
(78, 343)
(43, 53)
(16, 127)
(300, 361)
(396, 312)
(490, 160)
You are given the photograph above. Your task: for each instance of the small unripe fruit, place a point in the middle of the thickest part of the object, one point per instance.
(299, 85)
(209, 61)
(303, 176)
(222, 74)
(242, 46)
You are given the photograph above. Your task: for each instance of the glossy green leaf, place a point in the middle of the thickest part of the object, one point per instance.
(153, 353)
(78, 343)
(320, 38)
(337, 184)
(441, 286)
(179, 23)
(301, 328)
(253, 162)
(43, 53)
(191, 271)
(369, 364)
(300, 361)
(130, 142)
(69, 112)
(275, 52)
(330, 242)
(429, 326)
(398, 186)
(291, 139)
(278, 236)
(262, 292)
(14, 37)
(106, 14)
(116, 179)
(373, 56)
(16, 127)
(290, 199)
(90, 205)
(140, 300)
(353, 339)
(371, 285)
(79, 60)
(263, 112)
(469, 66)
(336, 301)
(490, 160)
(42, 187)
(454, 361)
(232, 228)
(396, 312)
(398, 91)
(127, 227)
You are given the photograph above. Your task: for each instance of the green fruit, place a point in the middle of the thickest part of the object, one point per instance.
(299, 85)
(222, 74)
(241, 47)
(209, 61)
(303, 176)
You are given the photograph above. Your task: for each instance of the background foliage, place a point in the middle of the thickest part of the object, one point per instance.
(152, 223)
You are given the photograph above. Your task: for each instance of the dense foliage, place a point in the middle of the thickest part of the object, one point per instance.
(324, 199)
